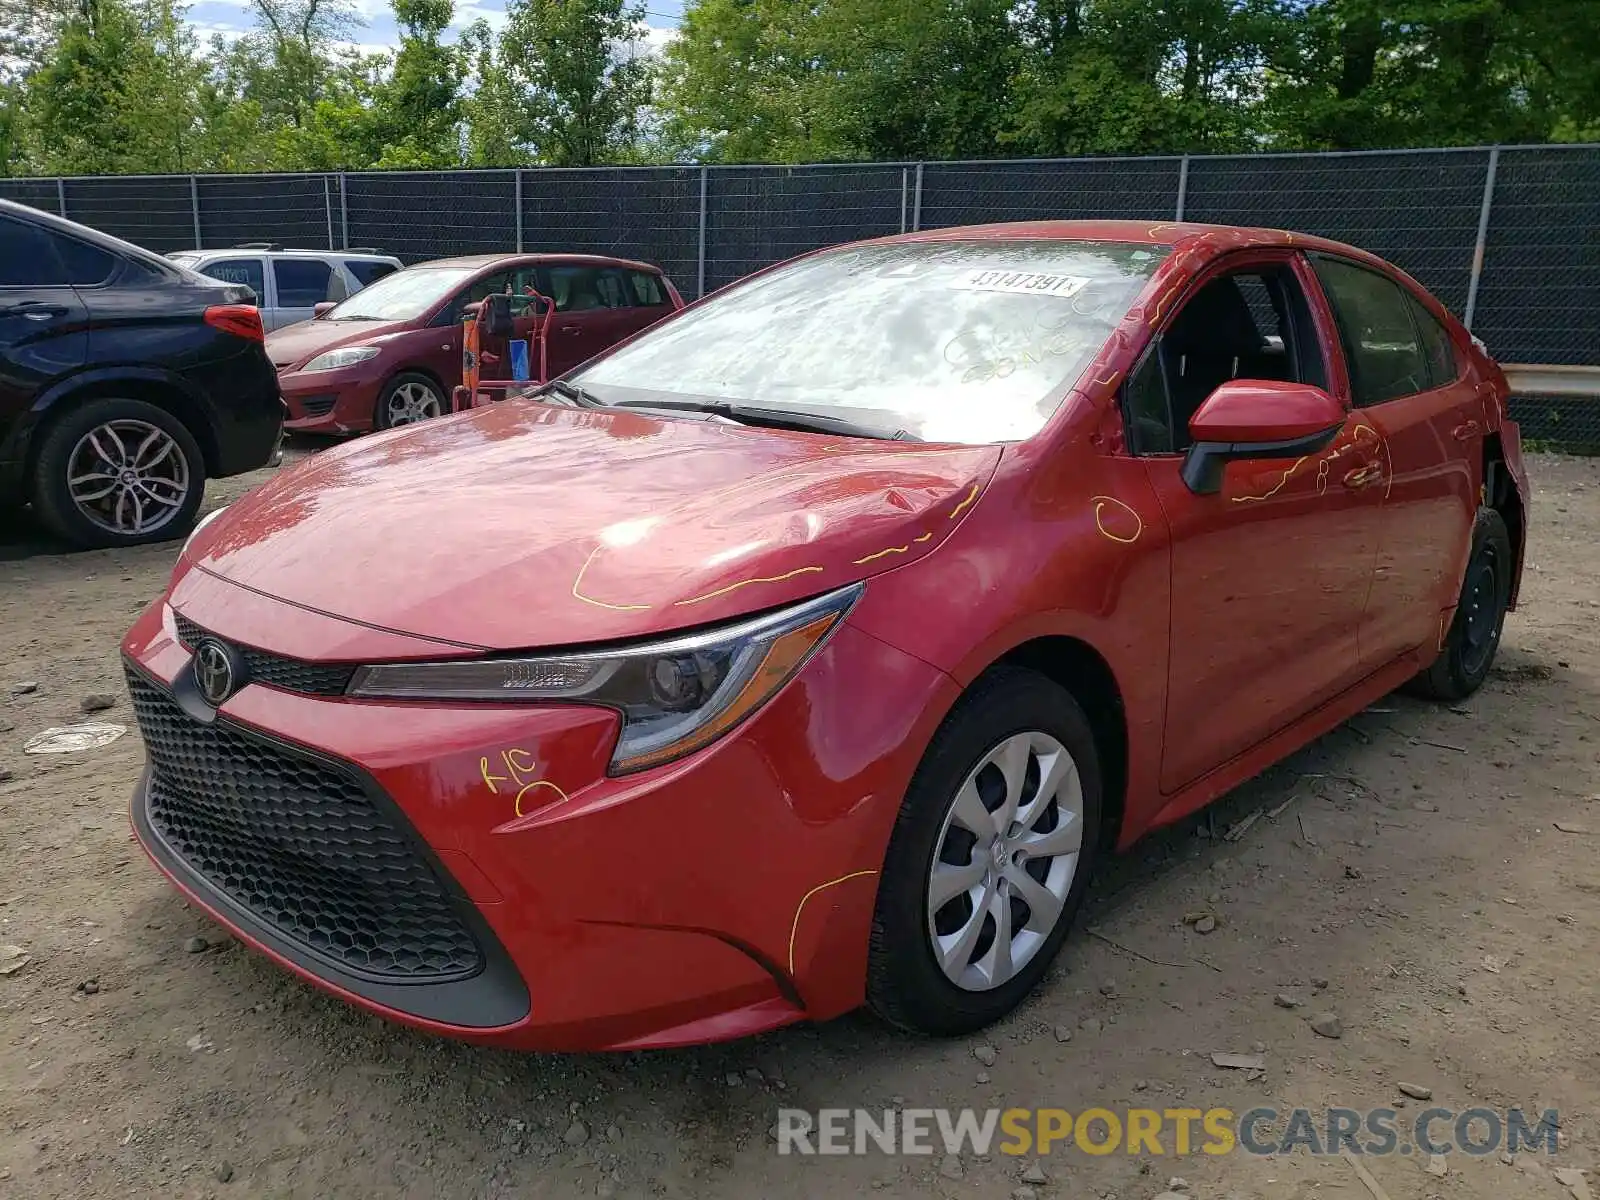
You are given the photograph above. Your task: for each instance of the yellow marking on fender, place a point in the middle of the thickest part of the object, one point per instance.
(794, 928)
(733, 587)
(892, 550)
(577, 595)
(537, 783)
(1099, 504)
(971, 496)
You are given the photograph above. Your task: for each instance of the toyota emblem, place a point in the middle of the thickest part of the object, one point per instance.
(213, 672)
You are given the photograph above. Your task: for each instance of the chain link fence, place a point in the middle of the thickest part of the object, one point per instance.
(1508, 238)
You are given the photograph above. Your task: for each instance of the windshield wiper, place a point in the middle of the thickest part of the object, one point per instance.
(777, 418)
(571, 391)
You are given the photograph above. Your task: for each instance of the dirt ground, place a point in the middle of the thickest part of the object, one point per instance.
(1411, 860)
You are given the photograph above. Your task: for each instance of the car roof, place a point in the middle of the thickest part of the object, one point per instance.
(375, 256)
(1179, 235)
(478, 261)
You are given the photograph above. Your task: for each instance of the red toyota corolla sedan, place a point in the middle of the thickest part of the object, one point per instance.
(812, 647)
(390, 355)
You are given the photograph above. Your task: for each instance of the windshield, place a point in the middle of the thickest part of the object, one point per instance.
(970, 341)
(403, 296)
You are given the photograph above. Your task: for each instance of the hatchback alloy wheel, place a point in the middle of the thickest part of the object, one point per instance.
(1008, 854)
(410, 402)
(129, 477)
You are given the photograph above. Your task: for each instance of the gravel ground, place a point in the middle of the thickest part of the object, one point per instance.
(1407, 873)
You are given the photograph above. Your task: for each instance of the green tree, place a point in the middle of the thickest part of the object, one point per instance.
(417, 114)
(490, 110)
(1367, 73)
(578, 99)
(118, 92)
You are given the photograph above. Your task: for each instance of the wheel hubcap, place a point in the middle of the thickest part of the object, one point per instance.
(413, 402)
(1005, 861)
(128, 477)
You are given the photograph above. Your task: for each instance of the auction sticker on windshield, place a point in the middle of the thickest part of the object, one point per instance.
(1030, 283)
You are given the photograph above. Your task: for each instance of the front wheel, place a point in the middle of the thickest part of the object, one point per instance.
(1474, 636)
(408, 398)
(115, 472)
(989, 859)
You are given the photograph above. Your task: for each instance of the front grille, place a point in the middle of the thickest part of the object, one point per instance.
(300, 845)
(290, 674)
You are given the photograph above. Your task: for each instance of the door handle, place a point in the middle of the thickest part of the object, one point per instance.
(571, 332)
(1465, 432)
(33, 311)
(1362, 476)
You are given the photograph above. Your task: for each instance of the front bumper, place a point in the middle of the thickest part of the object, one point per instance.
(720, 896)
(341, 401)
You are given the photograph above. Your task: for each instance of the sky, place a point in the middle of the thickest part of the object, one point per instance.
(232, 17)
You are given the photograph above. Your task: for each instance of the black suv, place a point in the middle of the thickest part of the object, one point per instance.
(126, 381)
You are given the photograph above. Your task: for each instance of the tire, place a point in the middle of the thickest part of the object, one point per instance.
(1474, 636)
(906, 984)
(145, 459)
(395, 393)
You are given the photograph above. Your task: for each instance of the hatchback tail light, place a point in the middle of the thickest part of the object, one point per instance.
(241, 320)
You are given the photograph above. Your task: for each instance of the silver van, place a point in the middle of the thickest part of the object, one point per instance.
(289, 283)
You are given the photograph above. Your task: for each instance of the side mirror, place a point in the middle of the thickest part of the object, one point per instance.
(496, 315)
(322, 309)
(1256, 418)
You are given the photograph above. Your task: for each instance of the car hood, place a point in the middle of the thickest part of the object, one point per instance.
(522, 525)
(295, 344)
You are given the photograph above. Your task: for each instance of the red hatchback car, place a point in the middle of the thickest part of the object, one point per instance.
(391, 354)
(811, 648)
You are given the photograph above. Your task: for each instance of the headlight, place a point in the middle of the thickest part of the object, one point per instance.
(199, 525)
(345, 356)
(675, 695)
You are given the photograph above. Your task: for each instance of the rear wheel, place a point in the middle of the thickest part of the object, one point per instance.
(115, 472)
(989, 860)
(1474, 636)
(408, 398)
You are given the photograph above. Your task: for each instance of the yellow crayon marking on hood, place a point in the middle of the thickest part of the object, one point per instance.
(578, 595)
(970, 497)
(733, 587)
(860, 562)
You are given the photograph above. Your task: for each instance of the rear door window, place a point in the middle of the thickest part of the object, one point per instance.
(1436, 347)
(303, 282)
(1375, 327)
(27, 258)
(86, 265)
(247, 272)
(367, 271)
(647, 289)
(584, 289)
